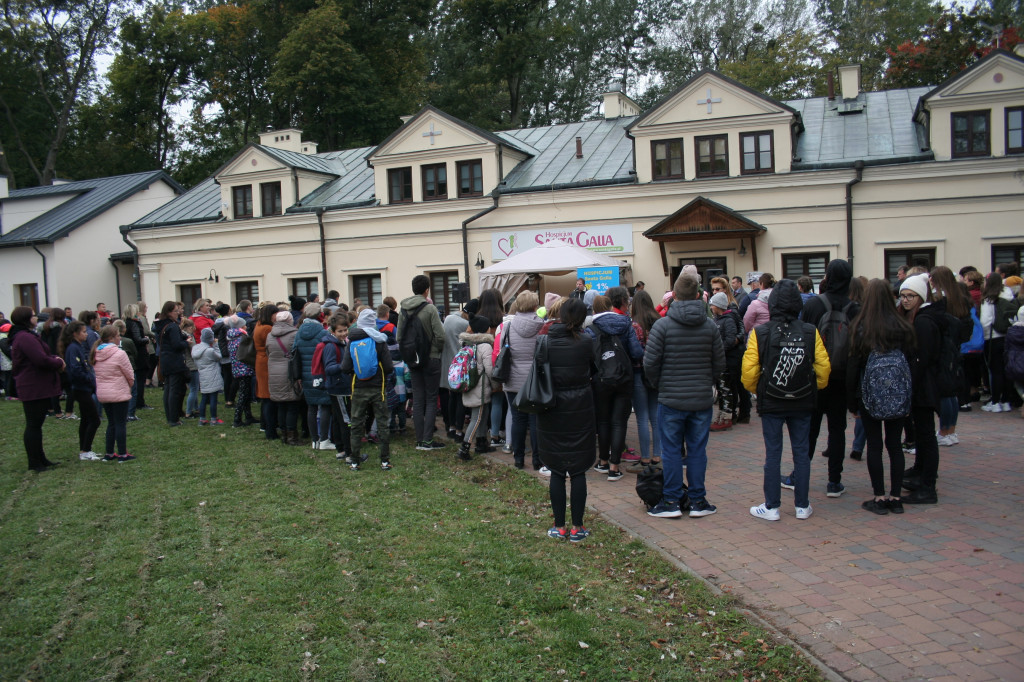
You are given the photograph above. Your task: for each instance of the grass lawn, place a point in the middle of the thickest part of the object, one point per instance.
(219, 555)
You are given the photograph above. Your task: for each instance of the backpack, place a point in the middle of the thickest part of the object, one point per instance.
(246, 351)
(650, 483)
(787, 361)
(5, 347)
(834, 327)
(976, 344)
(614, 368)
(1006, 314)
(885, 386)
(364, 358)
(463, 373)
(1013, 353)
(951, 369)
(415, 344)
(317, 366)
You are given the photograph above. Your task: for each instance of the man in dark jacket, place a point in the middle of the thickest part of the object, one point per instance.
(684, 354)
(831, 399)
(426, 379)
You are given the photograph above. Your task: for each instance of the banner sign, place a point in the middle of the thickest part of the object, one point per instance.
(614, 240)
(599, 279)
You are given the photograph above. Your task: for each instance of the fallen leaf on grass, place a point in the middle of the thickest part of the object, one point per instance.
(584, 645)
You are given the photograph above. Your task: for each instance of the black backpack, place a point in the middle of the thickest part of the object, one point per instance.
(951, 368)
(614, 367)
(415, 344)
(787, 360)
(834, 327)
(650, 483)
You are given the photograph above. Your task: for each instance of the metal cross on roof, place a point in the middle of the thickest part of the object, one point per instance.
(432, 133)
(709, 101)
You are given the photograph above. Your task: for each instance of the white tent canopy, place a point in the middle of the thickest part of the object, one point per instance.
(554, 257)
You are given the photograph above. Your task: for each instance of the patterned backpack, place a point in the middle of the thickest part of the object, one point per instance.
(885, 387)
(463, 373)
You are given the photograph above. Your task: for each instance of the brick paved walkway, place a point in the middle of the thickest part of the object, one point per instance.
(934, 594)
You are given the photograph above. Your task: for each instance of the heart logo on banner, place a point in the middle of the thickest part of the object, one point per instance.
(509, 245)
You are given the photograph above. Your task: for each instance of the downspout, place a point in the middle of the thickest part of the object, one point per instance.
(323, 249)
(46, 282)
(125, 229)
(465, 231)
(858, 167)
(295, 185)
(117, 285)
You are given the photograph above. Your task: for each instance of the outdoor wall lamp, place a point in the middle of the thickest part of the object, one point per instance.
(214, 277)
(743, 248)
(479, 260)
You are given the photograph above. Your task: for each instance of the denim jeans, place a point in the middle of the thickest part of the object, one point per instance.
(211, 400)
(859, 438)
(520, 422)
(799, 424)
(693, 428)
(645, 405)
(133, 401)
(949, 410)
(497, 414)
(192, 403)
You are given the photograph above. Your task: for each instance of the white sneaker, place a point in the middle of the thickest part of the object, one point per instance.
(763, 512)
(945, 440)
(991, 407)
(954, 438)
(89, 456)
(544, 471)
(323, 445)
(1005, 407)
(804, 512)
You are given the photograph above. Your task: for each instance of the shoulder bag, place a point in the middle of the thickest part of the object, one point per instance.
(538, 392)
(503, 365)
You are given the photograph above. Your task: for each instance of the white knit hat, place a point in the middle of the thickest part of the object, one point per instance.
(918, 284)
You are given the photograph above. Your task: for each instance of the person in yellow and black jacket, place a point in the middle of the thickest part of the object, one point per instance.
(786, 364)
(369, 392)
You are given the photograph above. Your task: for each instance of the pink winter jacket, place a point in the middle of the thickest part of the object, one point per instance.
(114, 375)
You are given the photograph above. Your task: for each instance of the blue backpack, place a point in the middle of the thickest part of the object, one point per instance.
(364, 358)
(885, 386)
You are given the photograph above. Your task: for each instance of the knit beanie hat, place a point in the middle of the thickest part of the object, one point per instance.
(207, 336)
(918, 284)
(283, 316)
(479, 324)
(473, 307)
(720, 300)
(311, 310)
(691, 270)
(550, 299)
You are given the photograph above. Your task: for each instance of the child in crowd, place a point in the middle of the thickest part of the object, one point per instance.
(477, 399)
(338, 385)
(241, 372)
(114, 379)
(192, 402)
(730, 327)
(83, 386)
(211, 382)
(369, 362)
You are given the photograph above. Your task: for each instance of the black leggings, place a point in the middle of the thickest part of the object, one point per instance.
(35, 415)
(577, 501)
(90, 420)
(873, 432)
(612, 407)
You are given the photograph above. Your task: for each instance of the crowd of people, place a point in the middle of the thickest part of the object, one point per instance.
(697, 362)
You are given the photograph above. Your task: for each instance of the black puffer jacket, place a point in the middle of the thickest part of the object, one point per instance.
(925, 372)
(566, 432)
(730, 327)
(173, 344)
(684, 355)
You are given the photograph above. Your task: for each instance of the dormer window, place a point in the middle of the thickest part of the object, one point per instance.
(1015, 130)
(712, 156)
(471, 178)
(400, 185)
(667, 158)
(270, 198)
(971, 134)
(241, 200)
(758, 156)
(435, 182)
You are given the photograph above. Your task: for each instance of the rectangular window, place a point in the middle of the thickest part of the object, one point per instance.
(367, 289)
(667, 159)
(471, 178)
(400, 186)
(28, 295)
(1015, 130)
(435, 182)
(1001, 253)
(270, 196)
(189, 294)
(758, 154)
(241, 200)
(712, 156)
(797, 265)
(442, 289)
(971, 134)
(894, 258)
(304, 287)
(247, 291)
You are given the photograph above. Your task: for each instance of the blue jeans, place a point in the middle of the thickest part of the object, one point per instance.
(211, 400)
(135, 394)
(859, 437)
(192, 403)
(645, 405)
(520, 422)
(949, 410)
(497, 414)
(693, 428)
(799, 424)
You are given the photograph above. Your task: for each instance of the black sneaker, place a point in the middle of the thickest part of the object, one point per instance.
(856, 455)
(788, 482)
(895, 506)
(430, 445)
(601, 468)
(614, 475)
(386, 466)
(700, 508)
(880, 507)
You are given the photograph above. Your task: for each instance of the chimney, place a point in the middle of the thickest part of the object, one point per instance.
(617, 104)
(288, 139)
(849, 81)
(579, 147)
(831, 79)
(406, 118)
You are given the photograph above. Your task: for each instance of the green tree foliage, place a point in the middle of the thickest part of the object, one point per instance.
(786, 67)
(49, 51)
